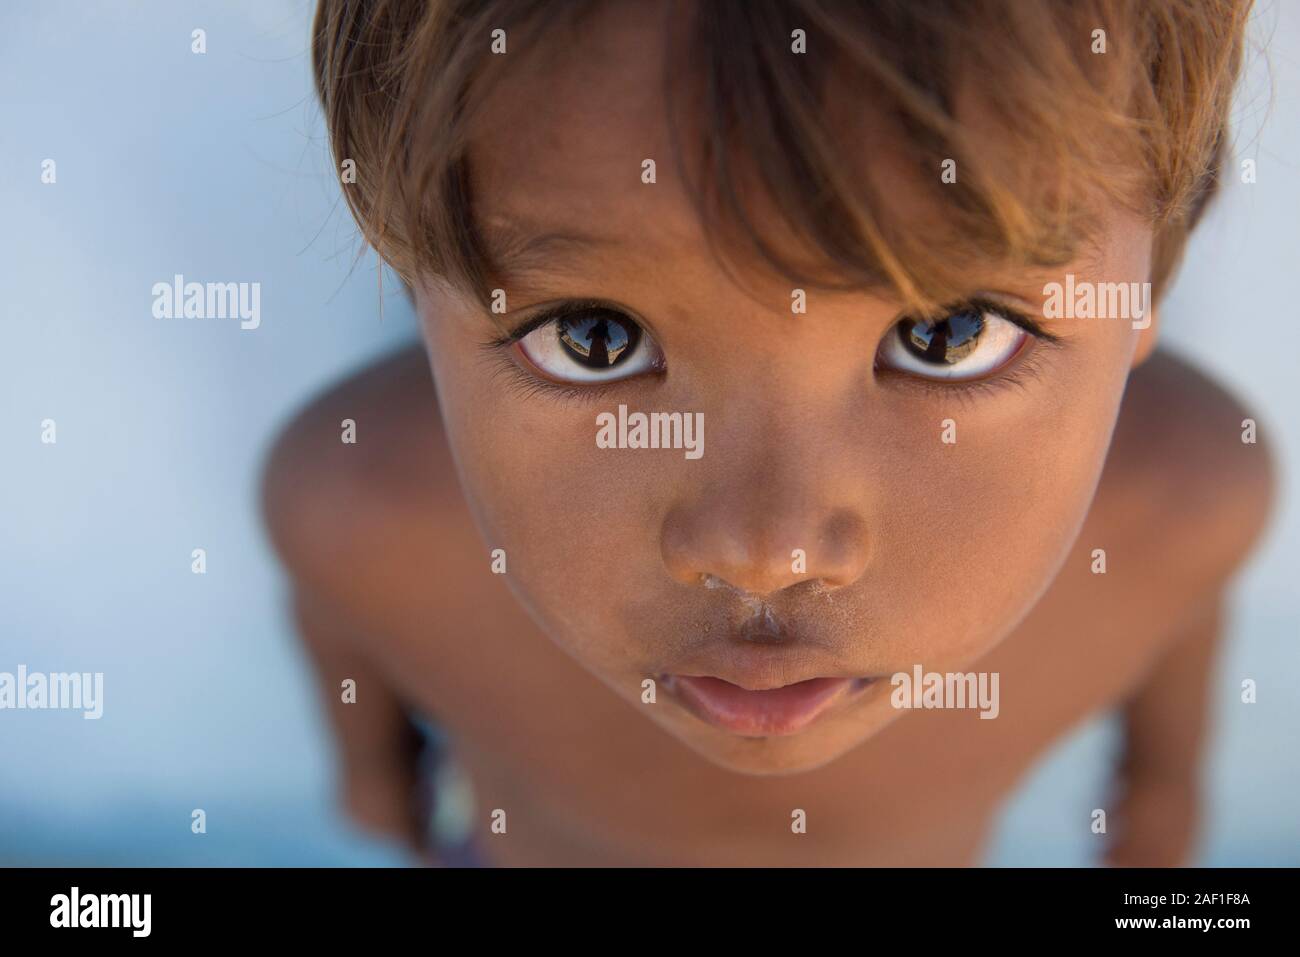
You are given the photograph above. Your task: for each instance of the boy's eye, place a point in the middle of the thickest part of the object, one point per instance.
(592, 345)
(968, 343)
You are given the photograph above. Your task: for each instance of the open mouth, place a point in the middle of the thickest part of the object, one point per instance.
(773, 712)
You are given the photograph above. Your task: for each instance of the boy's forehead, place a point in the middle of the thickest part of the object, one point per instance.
(560, 147)
(563, 136)
(558, 151)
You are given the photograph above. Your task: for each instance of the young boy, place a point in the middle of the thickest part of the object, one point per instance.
(789, 462)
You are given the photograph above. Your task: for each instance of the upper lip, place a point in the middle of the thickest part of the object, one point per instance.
(763, 667)
(756, 647)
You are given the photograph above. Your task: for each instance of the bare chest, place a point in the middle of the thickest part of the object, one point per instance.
(577, 776)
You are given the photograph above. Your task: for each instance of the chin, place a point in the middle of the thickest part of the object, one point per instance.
(768, 757)
(779, 755)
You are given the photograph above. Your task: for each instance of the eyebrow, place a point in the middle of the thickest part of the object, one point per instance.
(523, 258)
(518, 254)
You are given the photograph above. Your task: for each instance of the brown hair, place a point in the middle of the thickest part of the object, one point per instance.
(1144, 123)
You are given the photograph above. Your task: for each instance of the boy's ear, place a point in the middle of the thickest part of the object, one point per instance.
(1147, 339)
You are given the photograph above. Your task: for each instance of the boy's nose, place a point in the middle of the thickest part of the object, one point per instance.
(762, 555)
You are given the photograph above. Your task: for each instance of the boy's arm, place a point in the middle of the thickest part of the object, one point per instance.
(377, 746)
(1164, 729)
(1213, 494)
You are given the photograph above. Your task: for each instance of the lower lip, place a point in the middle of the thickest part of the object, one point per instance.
(780, 711)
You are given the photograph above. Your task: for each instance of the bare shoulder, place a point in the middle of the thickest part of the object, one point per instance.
(362, 522)
(1190, 478)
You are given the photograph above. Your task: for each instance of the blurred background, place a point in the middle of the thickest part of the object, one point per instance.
(215, 166)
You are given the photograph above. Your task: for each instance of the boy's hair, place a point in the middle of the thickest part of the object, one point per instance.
(1124, 99)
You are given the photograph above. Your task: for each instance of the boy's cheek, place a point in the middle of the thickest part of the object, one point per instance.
(948, 519)
(951, 571)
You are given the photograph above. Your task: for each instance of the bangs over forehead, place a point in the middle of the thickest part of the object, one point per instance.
(1006, 122)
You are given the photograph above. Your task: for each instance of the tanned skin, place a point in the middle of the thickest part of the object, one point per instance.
(977, 555)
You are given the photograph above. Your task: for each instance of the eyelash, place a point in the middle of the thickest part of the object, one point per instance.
(567, 308)
(525, 386)
(1021, 371)
(1024, 369)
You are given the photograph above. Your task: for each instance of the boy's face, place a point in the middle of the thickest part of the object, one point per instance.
(823, 432)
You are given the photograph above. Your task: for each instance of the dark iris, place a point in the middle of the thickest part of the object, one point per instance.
(947, 341)
(599, 339)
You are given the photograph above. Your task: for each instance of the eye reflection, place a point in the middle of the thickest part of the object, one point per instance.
(590, 344)
(597, 340)
(970, 342)
(948, 341)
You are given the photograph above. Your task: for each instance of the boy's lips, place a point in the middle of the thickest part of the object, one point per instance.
(776, 711)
